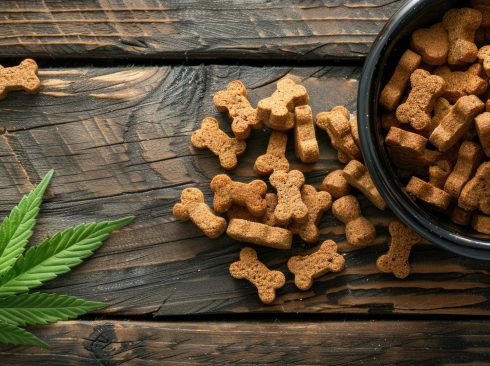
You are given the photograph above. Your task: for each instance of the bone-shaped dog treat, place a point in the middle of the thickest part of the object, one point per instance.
(431, 43)
(393, 91)
(482, 125)
(406, 148)
(249, 195)
(481, 223)
(484, 57)
(305, 141)
(476, 193)
(455, 124)
(211, 137)
(259, 234)
(337, 125)
(239, 212)
(416, 111)
(358, 177)
(21, 77)
(441, 109)
(359, 231)
(469, 157)
(277, 110)
(193, 207)
(251, 269)
(290, 206)
(439, 173)
(461, 26)
(428, 193)
(307, 268)
(275, 157)
(396, 260)
(461, 217)
(461, 83)
(354, 130)
(234, 100)
(317, 203)
(335, 184)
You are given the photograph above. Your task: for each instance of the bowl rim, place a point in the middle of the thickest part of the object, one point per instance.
(366, 109)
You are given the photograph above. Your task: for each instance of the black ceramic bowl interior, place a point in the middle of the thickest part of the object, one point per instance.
(379, 66)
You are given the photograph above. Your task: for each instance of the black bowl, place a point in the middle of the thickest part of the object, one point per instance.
(384, 56)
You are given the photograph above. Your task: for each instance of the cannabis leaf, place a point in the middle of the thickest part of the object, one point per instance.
(22, 270)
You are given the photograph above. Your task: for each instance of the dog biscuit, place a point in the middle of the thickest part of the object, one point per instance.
(337, 125)
(277, 110)
(392, 93)
(22, 77)
(290, 205)
(359, 231)
(461, 26)
(193, 207)
(335, 184)
(428, 193)
(439, 173)
(317, 203)
(441, 109)
(210, 136)
(269, 218)
(457, 122)
(431, 43)
(476, 193)
(461, 83)
(396, 260)
(481, 223)
(305, 141)
(484, 58)
(234, 100)
(354, 129)
(417, 109)
(482, 125)
(250, 268)
(461, 217)
(275, 157)
(358, 177)
(249, 195)
(406, 148)
(259, 234)
(469, 157)
(307, 268)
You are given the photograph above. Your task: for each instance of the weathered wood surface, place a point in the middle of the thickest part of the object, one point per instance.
(252, 343)
(192, 29)
(118, 139)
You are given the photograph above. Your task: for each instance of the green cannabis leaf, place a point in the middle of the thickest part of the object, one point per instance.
(21, 270)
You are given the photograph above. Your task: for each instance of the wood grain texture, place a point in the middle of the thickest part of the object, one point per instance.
(192, 29)
(252, 343)
(119, 141)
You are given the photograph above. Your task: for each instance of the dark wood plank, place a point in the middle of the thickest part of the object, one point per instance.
(119, 141)
(192, 29)
(252, 343)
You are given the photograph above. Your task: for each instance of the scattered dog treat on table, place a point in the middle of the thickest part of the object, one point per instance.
(21, 77)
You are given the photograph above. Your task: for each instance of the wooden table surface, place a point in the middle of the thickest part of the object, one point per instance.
(124, 84)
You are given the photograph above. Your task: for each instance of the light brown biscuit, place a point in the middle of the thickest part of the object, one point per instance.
(305, 141)
(354, 130)
(359, 231)
(249, 195)
(251, 269)
(317, 203)
(269, 218)
(439, 172)
(193, 207)
(396, 260)
(457, 122)
(469, 157)
(441, 109)
(234, 100)
(484, 58)
(461, 26)
(260, 234)
(476, 193)
(431, 43)
(461, 217)
(211, 137)
(277, 110)
(406, 148)
(22, 77)
(416, 111)
(275, 157)
(461, 83)
(482, 125)
(428, 193)
(392, 93)
(307, 268)
(290, 206)
(335, 184)
(239, 212)
(337, 125)
(358, 177)
(481, 223)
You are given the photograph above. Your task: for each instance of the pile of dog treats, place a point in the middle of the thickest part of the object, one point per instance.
(438, 132)
(270, 219)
